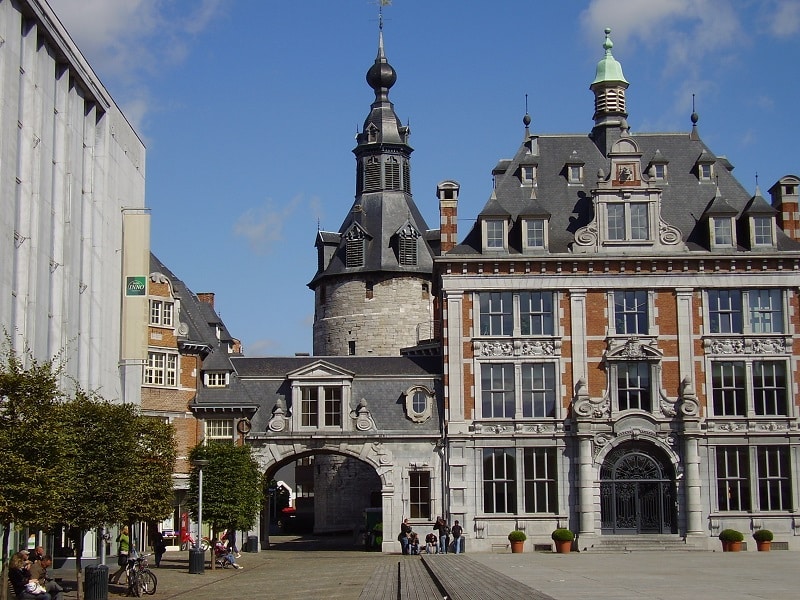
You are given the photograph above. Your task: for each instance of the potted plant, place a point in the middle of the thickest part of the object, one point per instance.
(763, 538)
(517, 539)
(563, 540)
(731, 540)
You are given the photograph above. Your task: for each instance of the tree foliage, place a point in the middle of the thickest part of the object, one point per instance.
(232, 492)
(149, 487)
(29, 441)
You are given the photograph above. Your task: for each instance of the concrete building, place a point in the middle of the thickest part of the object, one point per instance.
(618, 340)
(73, 223)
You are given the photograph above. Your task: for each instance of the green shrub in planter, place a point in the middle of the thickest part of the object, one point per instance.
(517, 536)
(562, 535)
(731, 535)
(762, 535)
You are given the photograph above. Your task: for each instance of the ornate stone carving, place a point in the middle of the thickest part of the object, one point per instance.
(769, 346)
(688, 404)
(495, 348)
(728, 426)
(726, 346)
(384, 455)
(362, 416)
(158, 278)
(667, 407)
(537, 348)
(587, 236)
(278, 421)
(771, 426)
(668, 234)
(491, 428)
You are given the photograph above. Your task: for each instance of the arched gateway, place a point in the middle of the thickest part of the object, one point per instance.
(637, 491)
(384, 412)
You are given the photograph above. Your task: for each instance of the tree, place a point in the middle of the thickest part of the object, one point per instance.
(149, 489)
(30, 441)
(231, 486)
(120, 466)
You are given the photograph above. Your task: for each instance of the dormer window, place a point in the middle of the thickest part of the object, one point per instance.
(574, 168)
(627, 221)
(494, 234)
(762, 231)
(161, 313)
(407, 244)
(418, 404)
(722, 232)
(705, 171)
(660, 172)
(528, 174)
(217, 379)
(534, 234)
(355, 247)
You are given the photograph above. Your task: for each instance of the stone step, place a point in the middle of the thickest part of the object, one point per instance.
(641, 543)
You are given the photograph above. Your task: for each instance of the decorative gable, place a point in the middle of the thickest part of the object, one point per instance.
(627, 208)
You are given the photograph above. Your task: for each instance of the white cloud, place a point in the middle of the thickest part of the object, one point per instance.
(127, 42)
(263, 226)
(784, 18)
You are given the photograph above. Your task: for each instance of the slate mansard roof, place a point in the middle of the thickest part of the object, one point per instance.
(685, 197)
(381, 381)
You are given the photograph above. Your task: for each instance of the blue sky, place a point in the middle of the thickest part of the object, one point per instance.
(249, 110)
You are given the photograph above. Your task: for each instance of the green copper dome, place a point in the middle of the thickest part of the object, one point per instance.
(609, 68)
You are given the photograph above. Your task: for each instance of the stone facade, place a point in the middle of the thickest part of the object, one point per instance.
(371, 316)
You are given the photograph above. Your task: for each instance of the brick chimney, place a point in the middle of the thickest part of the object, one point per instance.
(447, 192)
(786, 200)
(207, 297)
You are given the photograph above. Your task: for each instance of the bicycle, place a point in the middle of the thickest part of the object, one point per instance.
(140, 578)
(188, 542)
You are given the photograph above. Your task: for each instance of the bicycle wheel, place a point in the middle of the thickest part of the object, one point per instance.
(135, 584)
(149, 581)
(204, 544)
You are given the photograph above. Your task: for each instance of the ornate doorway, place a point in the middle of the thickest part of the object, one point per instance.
(637, 492)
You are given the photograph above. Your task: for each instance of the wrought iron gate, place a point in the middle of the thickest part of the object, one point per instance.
(636, 493)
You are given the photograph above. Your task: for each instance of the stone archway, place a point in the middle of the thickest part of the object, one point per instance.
(637, 490)
(348, 479)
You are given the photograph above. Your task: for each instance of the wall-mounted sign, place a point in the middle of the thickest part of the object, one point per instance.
(136, 286)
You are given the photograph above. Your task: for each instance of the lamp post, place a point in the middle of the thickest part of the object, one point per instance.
(197, 556)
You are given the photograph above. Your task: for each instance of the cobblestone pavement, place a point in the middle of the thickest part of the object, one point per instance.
(326, 568)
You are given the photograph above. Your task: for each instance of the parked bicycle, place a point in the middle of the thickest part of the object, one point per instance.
(188, 541)
(141, 580)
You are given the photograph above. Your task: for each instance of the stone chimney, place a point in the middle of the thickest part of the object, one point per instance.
(447, 192)
(786, 200)
(207, 297)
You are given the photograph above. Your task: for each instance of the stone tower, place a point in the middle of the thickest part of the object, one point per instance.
(372, 288)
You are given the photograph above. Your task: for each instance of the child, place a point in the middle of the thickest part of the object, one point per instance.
(34, 587)
(414, 543)
(430, 543)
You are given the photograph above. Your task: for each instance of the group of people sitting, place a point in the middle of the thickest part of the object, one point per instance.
(409, 540)
(27, 572)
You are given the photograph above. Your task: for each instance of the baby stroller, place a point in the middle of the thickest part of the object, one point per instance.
(223, 556)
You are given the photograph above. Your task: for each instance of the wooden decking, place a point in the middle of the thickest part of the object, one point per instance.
(451, 576)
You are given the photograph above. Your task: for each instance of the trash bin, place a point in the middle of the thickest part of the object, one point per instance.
(95, 582)
(252, 543)
(197, 561)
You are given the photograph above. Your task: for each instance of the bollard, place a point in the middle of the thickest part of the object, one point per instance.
(197, 561)
(95, 582)
(252, 543)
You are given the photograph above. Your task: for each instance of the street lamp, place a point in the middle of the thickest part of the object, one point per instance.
(197, 561)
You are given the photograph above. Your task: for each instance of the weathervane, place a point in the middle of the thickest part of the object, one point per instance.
(381, 4)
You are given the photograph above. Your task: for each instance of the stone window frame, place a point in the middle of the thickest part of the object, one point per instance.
(412, 398)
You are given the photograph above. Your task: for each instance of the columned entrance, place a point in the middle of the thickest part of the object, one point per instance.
(637, 491)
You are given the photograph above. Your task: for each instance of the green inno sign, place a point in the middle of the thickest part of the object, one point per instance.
(136, 286)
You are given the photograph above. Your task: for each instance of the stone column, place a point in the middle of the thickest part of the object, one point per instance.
(454, 362)
(586, 486)
(694, 513)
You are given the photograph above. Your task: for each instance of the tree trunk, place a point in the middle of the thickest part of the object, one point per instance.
(4, 558)
(78, 569)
